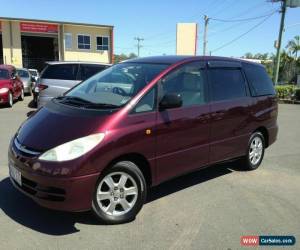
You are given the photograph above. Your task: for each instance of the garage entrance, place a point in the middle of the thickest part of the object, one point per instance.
(1, 50)
(36, 50)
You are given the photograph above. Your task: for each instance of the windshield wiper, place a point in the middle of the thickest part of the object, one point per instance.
(101, 105)
(72, 98)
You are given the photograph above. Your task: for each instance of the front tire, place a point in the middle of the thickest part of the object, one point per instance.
(10, 102)
(119, 194)
(255, 151)
(22, 95)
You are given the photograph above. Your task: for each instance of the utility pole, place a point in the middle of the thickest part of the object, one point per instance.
(139, 46)
(277, 61)
(206, 19)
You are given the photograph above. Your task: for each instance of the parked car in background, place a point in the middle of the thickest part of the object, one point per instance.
(139, 123)
(35, 74)
(11, 87)
(58, 77)
(25, 77)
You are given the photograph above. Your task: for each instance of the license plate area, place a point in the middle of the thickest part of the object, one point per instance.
(15, 174)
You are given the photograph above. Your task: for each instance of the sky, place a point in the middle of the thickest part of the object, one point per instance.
(156, 20)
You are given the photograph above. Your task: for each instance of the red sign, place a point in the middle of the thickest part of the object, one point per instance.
(38, 27)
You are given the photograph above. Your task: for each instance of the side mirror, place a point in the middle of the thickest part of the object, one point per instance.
(170, 101)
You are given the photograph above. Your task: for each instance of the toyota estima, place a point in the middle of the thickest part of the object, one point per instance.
(102, 144)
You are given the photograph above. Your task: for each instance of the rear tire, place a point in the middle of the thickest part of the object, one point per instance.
(119, 194)
(255, 151)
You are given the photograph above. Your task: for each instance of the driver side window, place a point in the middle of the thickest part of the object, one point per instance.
(189, 82)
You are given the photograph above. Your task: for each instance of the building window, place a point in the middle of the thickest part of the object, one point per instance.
(68, 41)
(84, 42)
(102, 43)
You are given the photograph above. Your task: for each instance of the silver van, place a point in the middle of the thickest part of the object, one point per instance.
(58, 77)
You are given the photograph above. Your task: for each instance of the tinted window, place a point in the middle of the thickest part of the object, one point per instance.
(61, 71)
(86, 71)
(188, 82)
(22, 73)
(227, 84)
(260, 82)
(147, 103)
(4, 74)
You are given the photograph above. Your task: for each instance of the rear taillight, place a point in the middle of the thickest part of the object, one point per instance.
(42, 86)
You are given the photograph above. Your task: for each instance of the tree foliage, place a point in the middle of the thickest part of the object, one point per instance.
(123, 57)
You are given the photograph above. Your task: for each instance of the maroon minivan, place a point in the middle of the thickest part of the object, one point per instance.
(102, 144)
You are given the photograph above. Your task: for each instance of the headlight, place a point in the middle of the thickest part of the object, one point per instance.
(4, 90)
(73, 149)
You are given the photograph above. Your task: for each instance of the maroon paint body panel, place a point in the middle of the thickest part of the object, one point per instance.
(182, 140)
(15, 86)
(172, 141)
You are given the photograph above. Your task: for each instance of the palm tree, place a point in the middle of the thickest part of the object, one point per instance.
(294, 46)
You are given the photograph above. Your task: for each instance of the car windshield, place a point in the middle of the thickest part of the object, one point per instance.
(4, 74)
(22, 73)
(33, 72)
(113, 87)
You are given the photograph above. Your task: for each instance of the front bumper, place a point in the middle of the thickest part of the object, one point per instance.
(54, 192)
(67, 194)
(4, 98)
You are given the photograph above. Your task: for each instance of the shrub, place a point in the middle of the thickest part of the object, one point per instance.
(285, 91)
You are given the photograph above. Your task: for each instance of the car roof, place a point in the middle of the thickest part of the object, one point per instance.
(5, 66)
(175, 59)
(75, 62)
(22, 69)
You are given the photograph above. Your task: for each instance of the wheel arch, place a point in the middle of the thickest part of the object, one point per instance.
(138, 159)
(265, 133)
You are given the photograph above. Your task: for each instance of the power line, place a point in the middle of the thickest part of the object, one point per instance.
(243, 34)
(246, 11)
(234, 26)
(244, 19)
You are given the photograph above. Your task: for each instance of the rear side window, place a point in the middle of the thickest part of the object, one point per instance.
(260, 82)
(88, 70)
(227, 84)
(61, 71)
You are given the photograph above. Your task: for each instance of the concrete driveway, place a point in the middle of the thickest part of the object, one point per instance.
(209, 209)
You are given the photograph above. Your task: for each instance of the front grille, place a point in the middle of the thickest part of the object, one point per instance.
(40, 191)
(25, 151)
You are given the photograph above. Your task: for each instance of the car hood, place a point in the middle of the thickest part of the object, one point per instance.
(4, 83)
(56, 124)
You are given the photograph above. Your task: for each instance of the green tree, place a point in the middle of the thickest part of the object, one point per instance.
(123, 57)
(294, 46)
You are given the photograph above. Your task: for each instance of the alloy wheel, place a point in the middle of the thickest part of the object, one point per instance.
(255, 150)
(117, 193)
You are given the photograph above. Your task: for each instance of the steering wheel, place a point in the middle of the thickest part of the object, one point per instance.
(119, 91)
